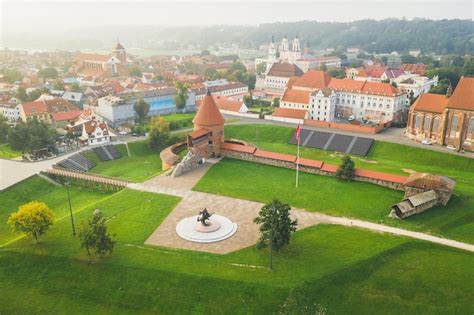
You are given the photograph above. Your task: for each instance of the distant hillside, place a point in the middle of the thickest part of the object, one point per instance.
(444, 36)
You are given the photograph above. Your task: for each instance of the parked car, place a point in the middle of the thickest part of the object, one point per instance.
(351, 118)
(426, 142)
(451, 147)
(123, 132)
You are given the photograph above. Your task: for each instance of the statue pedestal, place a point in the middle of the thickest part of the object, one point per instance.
(218, 229)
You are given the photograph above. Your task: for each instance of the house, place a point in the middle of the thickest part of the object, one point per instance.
(278, 76)
(62, 119)
(446, 120)
(289, 115)
(74, 97)
(43, 109)
(229, 106)
(95, 132)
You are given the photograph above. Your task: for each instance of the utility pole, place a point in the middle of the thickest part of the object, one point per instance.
(70, 209)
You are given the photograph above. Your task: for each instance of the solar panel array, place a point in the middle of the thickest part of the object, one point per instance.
(77, 162)
(334, 142)
(107, 153)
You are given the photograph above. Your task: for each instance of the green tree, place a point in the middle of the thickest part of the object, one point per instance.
(323, 67)
(35, 94)
(134, 71)
(237, 65)
(210, 73)
(12, 75)
(408, 59)
(93, 235)
(158, 136)
(276, 227)
(205, 52)
(261, 68)
(248, 101)
(276, 102)
(32, 219)
(468, 69)
(59, 85)
(75, 87)
(239, 76)
(250, 79)
(3, 129)
(346, 169)
(21, 94)
(142, 109)
(48, 73)
(181, 95)
(30, 136)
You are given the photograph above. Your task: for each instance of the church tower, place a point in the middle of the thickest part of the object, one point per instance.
(284, 49)
(120, 53)
(272, 51)
(296, 45)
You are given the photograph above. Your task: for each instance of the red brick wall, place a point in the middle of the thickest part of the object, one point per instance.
(346, 127)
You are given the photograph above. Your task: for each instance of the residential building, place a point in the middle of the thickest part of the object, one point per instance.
(223, 88)
(310, 62)
(95, 132)
(446, 120)
(278, 76)
(43, 110)
(415, 83)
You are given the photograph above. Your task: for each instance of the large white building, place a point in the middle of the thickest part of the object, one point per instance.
(326, 98)
(278, 76)
(415, 83)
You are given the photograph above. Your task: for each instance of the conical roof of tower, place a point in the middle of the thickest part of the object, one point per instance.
(208, 113)
(119, 46)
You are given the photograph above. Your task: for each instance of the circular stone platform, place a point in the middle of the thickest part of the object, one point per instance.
(219, 228)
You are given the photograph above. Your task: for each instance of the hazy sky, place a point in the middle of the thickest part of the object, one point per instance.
(34, 16)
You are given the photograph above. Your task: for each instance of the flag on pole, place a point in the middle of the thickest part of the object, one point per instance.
(297, 134)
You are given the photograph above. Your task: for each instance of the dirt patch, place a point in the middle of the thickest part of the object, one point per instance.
(409, 171)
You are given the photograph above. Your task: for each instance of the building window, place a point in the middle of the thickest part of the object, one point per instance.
(417, 122)
(470, 130)
(426, 124)
(454, 125)
(434, 128)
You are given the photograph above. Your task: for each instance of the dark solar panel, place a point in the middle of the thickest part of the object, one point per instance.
(340, 143)
(361, 146)
(318, 140)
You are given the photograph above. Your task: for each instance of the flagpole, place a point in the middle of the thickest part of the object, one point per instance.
(297, 159)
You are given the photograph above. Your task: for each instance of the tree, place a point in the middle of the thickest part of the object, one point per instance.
(323, 67)
(237, 65)
(32, 219)
(205, 52)
(134, 71)
(261, 68)
(158, 135)
(408, 59)
(276, 102)
(181, 95)
(346, 169)
(250, 79)
(239, 76)
(93, 235)
(21, 94)
(12, 75)
(276, 226)
(48, 73)
(75, 87)
(210, 73)
(3, 129)
(468, 68)
(30, 136)
(59, 85)
(35, 94)
(248, 101)
(142, 109)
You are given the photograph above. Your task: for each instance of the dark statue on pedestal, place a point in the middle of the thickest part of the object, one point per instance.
(204, 215)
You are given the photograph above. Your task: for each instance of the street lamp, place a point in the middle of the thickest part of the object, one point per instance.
(67, 183)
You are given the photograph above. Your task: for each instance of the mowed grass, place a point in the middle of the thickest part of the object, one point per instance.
(142, 164)
(36, 188)
(456, 220)
(337, 268)
(258, 182)
(6, 152)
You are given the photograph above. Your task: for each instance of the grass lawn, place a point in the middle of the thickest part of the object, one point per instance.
(142, 164)
(337, 268)
(6, 152)
(456, 220)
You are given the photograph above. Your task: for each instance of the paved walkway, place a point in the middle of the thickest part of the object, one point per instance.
(242, 212)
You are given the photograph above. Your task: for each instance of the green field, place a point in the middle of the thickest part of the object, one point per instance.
(456, 220)
(6, 152)
(337, 269)
(142, 164)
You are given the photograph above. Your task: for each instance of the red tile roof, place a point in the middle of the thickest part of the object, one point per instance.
(208, 114)
(418, 68)
(33, 108)
(314, 79)
(275, 156)
(199, 133)
(238, 147)
(365, 87)
(290, 113)
(296, 96)
(225, 103)
(429, 102)
(66, 116)
(286, 70)
(311, 163)
(381, 176)
(463, 95)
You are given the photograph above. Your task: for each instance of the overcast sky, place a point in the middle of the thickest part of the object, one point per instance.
(33, 16)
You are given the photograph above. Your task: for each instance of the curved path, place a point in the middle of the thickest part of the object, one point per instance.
(242, 212)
